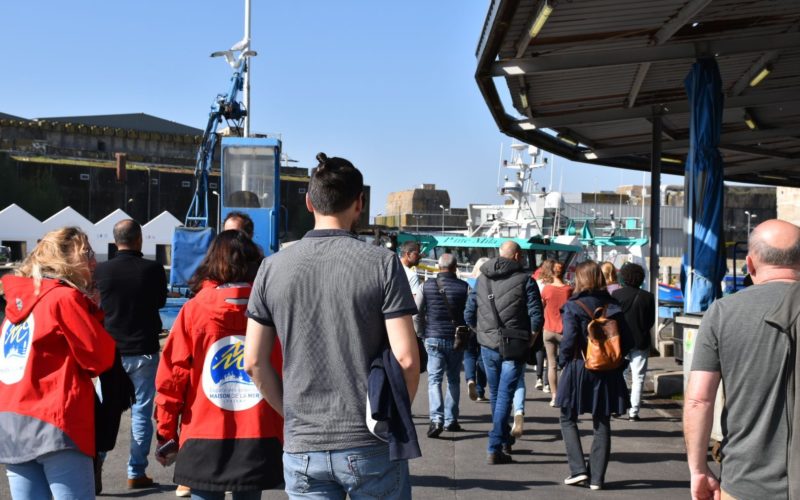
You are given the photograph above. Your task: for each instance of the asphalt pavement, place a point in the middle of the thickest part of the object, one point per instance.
(647, 457)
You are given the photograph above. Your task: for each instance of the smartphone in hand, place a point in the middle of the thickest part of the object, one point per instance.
(167, 452)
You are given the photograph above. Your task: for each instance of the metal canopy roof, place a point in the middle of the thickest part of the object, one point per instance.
(599, 70)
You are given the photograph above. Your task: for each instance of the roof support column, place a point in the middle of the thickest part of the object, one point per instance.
(655, 208)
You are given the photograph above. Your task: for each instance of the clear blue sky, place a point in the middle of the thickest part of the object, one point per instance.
(388, 85)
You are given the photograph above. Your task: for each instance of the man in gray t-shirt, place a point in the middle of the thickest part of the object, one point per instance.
(751, 357)
(334, 303)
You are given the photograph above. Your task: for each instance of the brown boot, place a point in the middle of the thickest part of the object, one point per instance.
(138, 483)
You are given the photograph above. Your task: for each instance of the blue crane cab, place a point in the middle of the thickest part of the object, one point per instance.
(250, 169)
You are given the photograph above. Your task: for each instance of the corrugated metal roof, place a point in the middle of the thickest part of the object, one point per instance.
(133, 121)
(615, 29)
(5, 116)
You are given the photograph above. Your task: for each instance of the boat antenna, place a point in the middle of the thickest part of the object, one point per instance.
(499, 168)
(558, 207)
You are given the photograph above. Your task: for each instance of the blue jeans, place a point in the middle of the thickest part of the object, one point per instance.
(142, 372)
(503, 378)
(519, 392)
(473, 369)
(443, 360)
(64, 475)
(361, 473)
(220, 495)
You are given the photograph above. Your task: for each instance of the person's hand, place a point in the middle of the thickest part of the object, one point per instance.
(162, 460)
(166, 457)
(705, 487)
(534, 337)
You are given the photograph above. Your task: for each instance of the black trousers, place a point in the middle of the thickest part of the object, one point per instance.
(601, 445)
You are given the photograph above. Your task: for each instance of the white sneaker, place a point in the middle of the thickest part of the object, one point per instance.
(576, 479)
(539, 383)
(553, 402)
(516, 430)
(546, 389)
(595, 487)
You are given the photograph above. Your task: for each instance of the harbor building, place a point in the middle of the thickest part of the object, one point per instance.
(422, 209)
(140, 164)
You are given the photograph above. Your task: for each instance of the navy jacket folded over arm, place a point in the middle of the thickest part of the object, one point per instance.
(388, 399)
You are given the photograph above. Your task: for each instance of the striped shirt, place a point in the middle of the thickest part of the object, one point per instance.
(328, 297)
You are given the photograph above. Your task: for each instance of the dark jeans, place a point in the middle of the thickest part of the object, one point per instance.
(473, 369)
(541, 373)
(601, 445)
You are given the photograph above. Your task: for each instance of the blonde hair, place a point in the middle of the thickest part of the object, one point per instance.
(547, 274)
(609, 272)
(476, 269)
(62, 254)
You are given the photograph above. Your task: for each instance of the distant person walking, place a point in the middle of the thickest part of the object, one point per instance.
(443, 301)
(610, 275)
(639, 308)
(474, 373)
(506, 287)
(748, 341)
(336, 304)
(580, 390)
(410, 257)
(230, 438)
(54, 343)
(555, 294)
(132, 290)
(543, 277)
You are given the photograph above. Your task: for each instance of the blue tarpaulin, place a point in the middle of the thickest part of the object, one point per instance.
(189, 246)
(704, 260)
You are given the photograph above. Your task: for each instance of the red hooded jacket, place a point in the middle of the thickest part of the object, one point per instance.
(53, 343)
(230, 438)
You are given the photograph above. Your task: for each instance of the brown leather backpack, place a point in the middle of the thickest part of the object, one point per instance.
(604, 341)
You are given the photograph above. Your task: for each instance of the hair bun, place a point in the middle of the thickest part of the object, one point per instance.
(322, 158)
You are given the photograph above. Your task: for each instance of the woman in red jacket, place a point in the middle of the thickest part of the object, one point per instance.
(53, 343)
(230, 438)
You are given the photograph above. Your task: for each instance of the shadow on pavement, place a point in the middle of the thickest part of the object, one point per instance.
(444, 482)
(645, 484)
(156, 488)
(645, 433)
(644, 458)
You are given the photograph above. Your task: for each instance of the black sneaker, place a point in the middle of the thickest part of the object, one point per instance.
(434, 430)
(577, 478)
(507, 449)
(498, 458)
(454, 427)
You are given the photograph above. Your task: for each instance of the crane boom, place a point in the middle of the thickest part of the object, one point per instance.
(228, 107)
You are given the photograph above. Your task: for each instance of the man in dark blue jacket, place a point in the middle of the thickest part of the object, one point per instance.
(519, 306)
(442, 309)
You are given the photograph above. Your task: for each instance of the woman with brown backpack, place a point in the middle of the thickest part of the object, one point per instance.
(593, 344)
